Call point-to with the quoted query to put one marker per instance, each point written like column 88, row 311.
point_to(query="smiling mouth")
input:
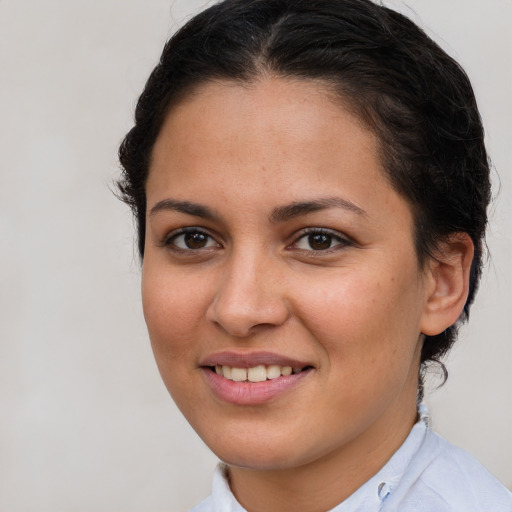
column 258, row 373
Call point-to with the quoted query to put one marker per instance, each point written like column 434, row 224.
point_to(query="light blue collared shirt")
column 426, row 474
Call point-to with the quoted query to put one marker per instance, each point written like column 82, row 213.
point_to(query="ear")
column 447, row 283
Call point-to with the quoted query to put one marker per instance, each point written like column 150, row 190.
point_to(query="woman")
column 311, row 184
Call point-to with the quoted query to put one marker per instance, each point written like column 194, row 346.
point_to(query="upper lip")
column 250, row 359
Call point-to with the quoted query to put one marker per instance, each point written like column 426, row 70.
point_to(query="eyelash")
column 331, row 237
column 170, row 240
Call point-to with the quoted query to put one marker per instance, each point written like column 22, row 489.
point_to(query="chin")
column 264, row 450
column 262, row 461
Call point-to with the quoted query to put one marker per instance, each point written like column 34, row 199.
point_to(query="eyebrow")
column 279, row 214
column 296, row 209
column 186, row 207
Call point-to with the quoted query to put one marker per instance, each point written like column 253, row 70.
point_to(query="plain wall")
column 85, row 423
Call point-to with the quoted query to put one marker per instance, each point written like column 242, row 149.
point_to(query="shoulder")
column 445, row 478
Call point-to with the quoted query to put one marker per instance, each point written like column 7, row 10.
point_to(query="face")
column 281, row 288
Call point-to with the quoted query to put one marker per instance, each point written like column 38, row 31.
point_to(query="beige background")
column 85, row 423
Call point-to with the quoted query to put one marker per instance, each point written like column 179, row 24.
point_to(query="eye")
column 319, row 240
column 192, row 239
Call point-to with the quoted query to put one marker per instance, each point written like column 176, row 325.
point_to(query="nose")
column 249, row 297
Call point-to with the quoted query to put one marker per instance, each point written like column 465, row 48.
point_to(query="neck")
column 324, row 483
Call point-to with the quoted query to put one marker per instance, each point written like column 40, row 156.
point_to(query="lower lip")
column 251, row 393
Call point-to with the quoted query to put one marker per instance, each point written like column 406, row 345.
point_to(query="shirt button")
column 384, row 491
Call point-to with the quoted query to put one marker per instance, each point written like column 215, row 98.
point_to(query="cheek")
column 174, row 310
column 367, row 319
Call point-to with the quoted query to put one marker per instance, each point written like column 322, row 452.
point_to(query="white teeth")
column 226, row 371
column 239, row 374
column 258, row 373
column 273, row 371
column 286, row 370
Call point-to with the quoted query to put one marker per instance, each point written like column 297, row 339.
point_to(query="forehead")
column 247, row 149
column 276, row 120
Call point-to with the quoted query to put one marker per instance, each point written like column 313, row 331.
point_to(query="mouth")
column 259, row 373
column 253, row 378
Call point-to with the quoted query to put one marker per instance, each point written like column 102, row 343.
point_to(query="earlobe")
column 448, row 283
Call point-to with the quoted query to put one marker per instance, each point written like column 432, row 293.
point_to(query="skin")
column 355, row 312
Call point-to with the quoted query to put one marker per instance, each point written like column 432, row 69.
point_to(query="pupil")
column 319, row 241
column 195, row 240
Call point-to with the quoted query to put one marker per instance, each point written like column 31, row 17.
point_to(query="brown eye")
column 319, row 241
column 193, row 240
